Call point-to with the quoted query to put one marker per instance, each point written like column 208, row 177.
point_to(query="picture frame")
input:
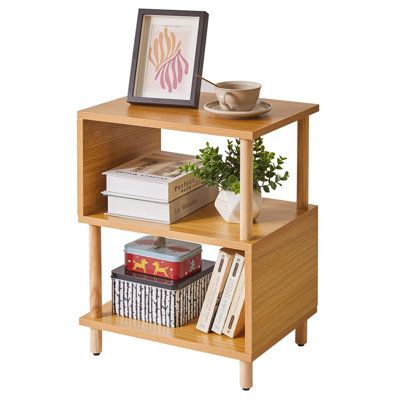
column 168, row 57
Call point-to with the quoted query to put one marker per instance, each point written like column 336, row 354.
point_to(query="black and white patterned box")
column 159, row 300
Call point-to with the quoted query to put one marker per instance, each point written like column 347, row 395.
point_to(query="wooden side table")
column 280, row 249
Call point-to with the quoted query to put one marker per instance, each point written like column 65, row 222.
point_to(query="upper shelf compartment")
column 197, row 120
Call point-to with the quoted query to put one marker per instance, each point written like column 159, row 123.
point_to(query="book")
column 234, row 323
column 215, row 289
column 127, row 206
column 227, row 295
column 154, row 176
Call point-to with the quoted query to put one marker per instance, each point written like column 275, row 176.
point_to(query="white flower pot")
column 228, row 205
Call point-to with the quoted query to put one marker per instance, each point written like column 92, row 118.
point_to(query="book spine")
column 214, row 291
column 227, row 296
column 161, row 212
column 182, row 185
column 148, row 189
column 235, row 319
column 191, row 202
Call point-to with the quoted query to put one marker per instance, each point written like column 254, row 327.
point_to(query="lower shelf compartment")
column 186, row 336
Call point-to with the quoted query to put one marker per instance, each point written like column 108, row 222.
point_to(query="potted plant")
column 215, row 169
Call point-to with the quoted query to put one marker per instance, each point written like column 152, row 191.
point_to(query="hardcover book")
column 126, row 206
column 227, row 296
column 215, row 289
column 154, row 176
column 234, row 323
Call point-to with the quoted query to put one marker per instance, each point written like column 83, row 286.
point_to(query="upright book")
column 215, row 289
column 234, row 322
column 154, row 177
column 229, row 291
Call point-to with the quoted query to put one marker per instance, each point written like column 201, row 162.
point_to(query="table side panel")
column 284, row 280
column 102, row 146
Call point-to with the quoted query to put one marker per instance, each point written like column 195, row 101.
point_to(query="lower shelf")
column 186, row 336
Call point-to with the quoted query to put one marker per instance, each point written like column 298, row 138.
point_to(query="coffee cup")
column 237, row 95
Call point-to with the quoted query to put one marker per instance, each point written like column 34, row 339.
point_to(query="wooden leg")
column 246, row 230
column 246, row 375
column 95, row 286
column 246, row 189
column 302, row 163
column 95, row 341
column 301, row 334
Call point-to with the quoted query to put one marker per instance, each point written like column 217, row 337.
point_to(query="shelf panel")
column 206, row 225
column 186, row 336
column 199, row 120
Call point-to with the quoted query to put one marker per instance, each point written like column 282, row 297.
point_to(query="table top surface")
column 199, row 120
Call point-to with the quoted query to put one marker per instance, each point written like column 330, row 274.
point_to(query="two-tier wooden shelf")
column 280, row 248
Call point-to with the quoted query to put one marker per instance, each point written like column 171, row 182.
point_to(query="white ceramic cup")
column 237, row 95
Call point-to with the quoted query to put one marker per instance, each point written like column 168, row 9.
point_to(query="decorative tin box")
column 159, row 300
column 167, row 258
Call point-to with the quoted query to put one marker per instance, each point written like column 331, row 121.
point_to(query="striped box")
column 159, row 300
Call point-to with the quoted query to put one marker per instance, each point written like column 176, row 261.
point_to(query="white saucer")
column 261, row 107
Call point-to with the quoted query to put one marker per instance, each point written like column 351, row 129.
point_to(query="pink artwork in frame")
column 168, row 57
column 169, row 63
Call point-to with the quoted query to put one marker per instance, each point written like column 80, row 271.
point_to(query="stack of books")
column 153, row 187
column 223, row 307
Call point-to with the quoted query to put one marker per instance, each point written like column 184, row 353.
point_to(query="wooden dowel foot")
column 246, row 375
column 301, row 334
column 95, row 341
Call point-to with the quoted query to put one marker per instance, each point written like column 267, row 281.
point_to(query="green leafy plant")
column 213, row 169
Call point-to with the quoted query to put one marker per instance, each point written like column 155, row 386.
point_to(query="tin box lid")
column 173, row 251
column 164, row 283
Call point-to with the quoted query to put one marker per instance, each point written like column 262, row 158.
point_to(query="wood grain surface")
column 207, row 226
column 185, row 336
column 102, row 146
column 199, row 120
column 284, row 281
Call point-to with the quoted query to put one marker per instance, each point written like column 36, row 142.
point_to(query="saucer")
column 261, row 107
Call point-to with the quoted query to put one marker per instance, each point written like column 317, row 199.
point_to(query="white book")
column 227, row 296
column 234, row 323
column 122, row 205
column 215, row 289
column 155, row 177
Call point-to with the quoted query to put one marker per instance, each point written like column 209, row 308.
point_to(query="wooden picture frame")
column 167, row 57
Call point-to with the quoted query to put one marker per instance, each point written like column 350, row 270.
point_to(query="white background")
column 58, row 57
